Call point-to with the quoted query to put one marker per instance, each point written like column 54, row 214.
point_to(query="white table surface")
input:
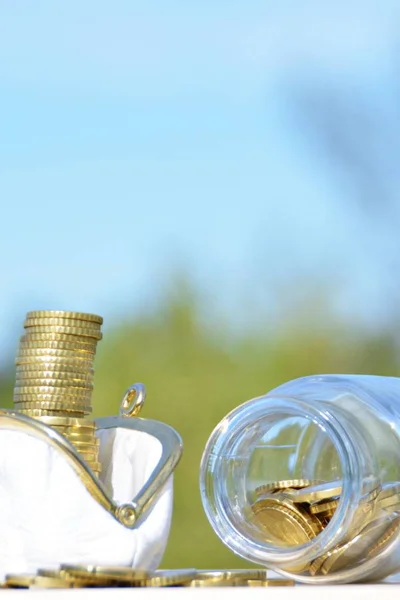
column 388, row 590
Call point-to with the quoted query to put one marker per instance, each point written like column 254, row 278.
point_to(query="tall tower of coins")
column 54, row 375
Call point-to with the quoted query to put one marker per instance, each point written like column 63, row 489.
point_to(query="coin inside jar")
column 283, row 522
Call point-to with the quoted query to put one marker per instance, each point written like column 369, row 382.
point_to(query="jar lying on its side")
column 306, row 479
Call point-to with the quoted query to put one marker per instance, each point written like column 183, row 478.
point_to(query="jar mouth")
column 223, row 468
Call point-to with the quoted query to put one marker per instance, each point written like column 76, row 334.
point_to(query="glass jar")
column 306, row 479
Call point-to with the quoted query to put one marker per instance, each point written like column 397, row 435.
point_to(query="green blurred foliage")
column 195, row 373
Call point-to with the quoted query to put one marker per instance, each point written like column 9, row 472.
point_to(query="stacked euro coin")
column 54, row 375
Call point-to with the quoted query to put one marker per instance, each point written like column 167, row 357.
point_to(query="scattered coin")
column 95, row 574
column 169, row 578
column 78, row 576
column 266, row 583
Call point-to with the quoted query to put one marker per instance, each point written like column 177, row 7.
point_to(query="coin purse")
column 54, row 510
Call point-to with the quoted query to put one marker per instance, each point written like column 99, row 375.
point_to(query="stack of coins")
column 78, row 576
column 293, row 512
column 54, row 375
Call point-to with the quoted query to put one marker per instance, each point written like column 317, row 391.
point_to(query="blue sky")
column 139, row 136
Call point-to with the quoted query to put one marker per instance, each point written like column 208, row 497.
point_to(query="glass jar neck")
column 224, row 468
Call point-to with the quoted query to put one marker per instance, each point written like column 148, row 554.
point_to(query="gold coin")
column 285, row 523
column 331, row 489
column 389, row 496
column 70, row 377
column 93, row 448
column 64, row 329
column 90, row 441
column 373, row 494
column 90, row 447
column 19, row 581
column 324, row 507
column 59, row 363
column 66, row 407
column 231, row 574
column 55, row 574
column 37, row 581
column 76, row 433
column 346, row 555
column 284, row 484
column 40, row 402
column 315, row 566
column 325, row 517
column 95, row 466
column 64, row 314
column 59, row 322
column 170, row 578
column 85, row 442
column 40, row 581
column 55, row 403
column 42, row 336
column 45, row 390
column 57, row 348
column 69, row 422
column 212, row 582
column 115, row 574
column 39, row 413
column 391, row 532
column 267, row 583
column 68, row 430
column 21, row 384
column 36, row 372
column 58, row 380
column 78, row 367
column 237, row 577
column 89, row 456
column 317, row 493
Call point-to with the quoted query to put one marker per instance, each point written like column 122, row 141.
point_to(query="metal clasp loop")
column 133, row 400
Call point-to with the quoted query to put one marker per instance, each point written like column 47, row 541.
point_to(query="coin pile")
column 54, row 376
column 293, row 512
column 77, row 576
